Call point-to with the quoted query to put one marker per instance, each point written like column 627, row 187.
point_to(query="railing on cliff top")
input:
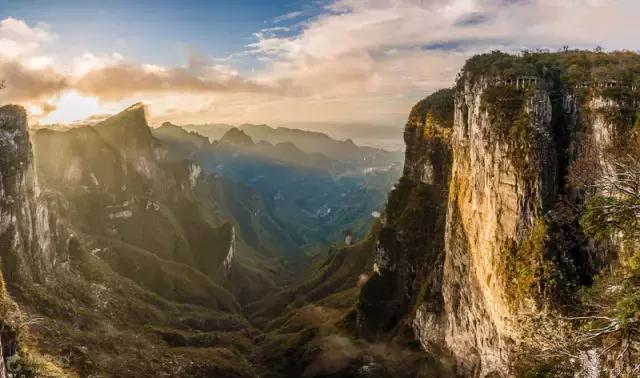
column 607, row 84
column 525, row 82
column 522, row 82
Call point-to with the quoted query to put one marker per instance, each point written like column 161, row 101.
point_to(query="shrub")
column 438, row 106
column 524, row 264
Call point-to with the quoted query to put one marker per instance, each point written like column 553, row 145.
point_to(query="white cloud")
column 287, row 16
column 357, row 61
column 382, row 48
column 19, row 30
column 18, row 39
column 30, row 78
column 88, row 62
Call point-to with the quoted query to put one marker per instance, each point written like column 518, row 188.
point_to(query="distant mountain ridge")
column 287, row 199
column 345, row 151
column 237, row 143
column 237, row 137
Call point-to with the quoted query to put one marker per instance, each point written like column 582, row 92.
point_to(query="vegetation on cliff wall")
column 551, row 264
column 524, row 265
column 511, row 124
column 572, row 75
column 621, row 111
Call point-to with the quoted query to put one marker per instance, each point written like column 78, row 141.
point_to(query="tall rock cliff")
column 29, row 237
column 17, row 211
column 25, row 234
column 481, row 246
column 496, row 196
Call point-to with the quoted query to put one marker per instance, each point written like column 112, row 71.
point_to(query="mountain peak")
column 138, row 106
column 171, row 126
column 134, row 115
column 172, row 133
column 127, row 127
column 237, row 137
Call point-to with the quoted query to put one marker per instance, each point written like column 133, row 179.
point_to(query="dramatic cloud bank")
column 127, row 79
column 355, row 61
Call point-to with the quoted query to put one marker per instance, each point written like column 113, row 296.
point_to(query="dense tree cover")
column 439, row 106
column 572, row 67
column 612, row 217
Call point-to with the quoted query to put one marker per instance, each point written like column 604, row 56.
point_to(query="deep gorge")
column 507, row 247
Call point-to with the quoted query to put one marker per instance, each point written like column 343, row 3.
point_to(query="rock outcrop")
column 494, row 201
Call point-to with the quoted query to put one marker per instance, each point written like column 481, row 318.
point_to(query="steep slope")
column 25, row 246
column 411, row 243
column 256, row 261
column 112, row 181
column 481, row 249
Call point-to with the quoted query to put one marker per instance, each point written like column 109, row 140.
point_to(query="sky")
column 350, row 63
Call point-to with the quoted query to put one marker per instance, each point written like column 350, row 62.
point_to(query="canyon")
column 507, row 247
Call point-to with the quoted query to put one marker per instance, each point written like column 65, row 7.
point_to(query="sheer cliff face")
column 17, row 209
column 410, row 247
column 493, row 202
column 466, row 254
column 25, row 233
column 28, row 237
column 474, row 203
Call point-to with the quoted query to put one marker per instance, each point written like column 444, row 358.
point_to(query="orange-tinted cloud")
column 25, row 84
column 127, row 79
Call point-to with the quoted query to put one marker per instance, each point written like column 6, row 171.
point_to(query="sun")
column 74, row 107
